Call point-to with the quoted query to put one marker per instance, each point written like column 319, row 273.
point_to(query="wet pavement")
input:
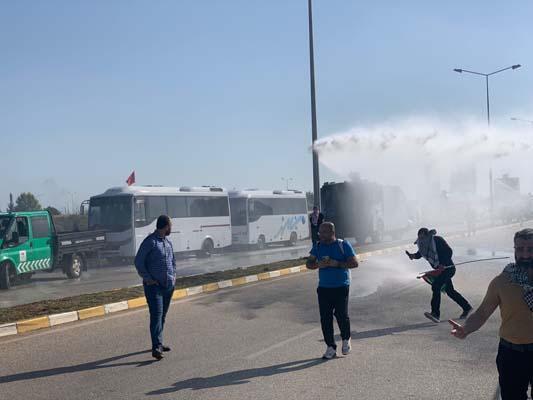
column 54, row 285
column 263, row 341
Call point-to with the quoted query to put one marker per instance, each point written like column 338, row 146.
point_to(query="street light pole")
column 316, row 174
column 488, row 103
column 460, row 70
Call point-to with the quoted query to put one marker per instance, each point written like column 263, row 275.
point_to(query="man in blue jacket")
column 333, row 258
column 156, row 264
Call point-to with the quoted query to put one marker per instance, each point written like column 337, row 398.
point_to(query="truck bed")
column 79, row 242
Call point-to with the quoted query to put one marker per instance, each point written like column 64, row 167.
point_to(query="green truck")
column 29, row 243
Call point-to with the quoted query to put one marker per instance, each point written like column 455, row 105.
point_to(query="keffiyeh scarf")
column 428, row 249
column 519, row 276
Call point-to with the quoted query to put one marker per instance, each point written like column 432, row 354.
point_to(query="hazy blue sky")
column 217, row 92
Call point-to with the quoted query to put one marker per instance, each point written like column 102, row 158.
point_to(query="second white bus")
column 260, row 217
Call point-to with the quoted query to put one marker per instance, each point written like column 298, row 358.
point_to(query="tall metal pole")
column 316, row 174
column 460, row 70
column 491, row 179
column 488, row 104
column 491, row 184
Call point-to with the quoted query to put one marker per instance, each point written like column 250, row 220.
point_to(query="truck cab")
column 30, row 243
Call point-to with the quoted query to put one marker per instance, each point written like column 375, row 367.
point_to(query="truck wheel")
column 293, row 239
column 74, row 267
column 261, row 242
column 207, row 249
column 5, row 279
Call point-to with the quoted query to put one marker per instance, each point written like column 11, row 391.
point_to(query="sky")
column 206, row 92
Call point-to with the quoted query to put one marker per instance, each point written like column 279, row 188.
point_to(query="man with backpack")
column 333, row 258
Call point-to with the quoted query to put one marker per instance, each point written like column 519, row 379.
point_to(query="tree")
column 27, row 202
column 52, row 210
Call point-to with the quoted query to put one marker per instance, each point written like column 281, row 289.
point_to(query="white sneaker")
column 330, row 353
column 346, row 347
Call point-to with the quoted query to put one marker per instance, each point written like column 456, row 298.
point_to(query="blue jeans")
column 158, row 299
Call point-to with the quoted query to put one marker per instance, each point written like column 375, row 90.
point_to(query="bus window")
column 155, row 206
column 203, row 206
column 259, row 208
column 113, row 213
column 177, row 206
column 140, row 213
column 218, row 206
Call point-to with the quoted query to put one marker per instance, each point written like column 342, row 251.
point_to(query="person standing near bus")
column 156, row 264
column 315, row 220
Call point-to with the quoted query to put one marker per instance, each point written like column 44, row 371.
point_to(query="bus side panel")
column 278, row 228
column 189, row 234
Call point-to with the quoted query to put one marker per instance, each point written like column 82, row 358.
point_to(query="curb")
column 44, row 322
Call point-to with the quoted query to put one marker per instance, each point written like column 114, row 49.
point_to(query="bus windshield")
column 111, row 213
column 238, row 211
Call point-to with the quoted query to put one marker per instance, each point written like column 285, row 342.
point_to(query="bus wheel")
column 5, row 272
column 293, row 239
column 207, row 248
column 74, row 267
column 261, row 242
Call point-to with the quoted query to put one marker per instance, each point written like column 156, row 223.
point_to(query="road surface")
column 54, row 285
column 263, row 341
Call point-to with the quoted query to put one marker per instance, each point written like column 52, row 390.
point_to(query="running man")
column 438, row 253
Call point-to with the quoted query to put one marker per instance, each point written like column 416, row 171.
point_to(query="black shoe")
column 432, row 317
column 465, row 313
column 157, row 354
column 165, row 348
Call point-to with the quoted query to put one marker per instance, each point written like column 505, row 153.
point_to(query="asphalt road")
column 263, row 341
column 54, row 285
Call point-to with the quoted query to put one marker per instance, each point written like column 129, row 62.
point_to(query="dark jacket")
column 320, row 220
column 444, row 251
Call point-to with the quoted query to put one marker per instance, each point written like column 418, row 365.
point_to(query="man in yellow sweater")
column 512, row 291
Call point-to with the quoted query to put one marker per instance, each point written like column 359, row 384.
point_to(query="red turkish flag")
column 131, row 179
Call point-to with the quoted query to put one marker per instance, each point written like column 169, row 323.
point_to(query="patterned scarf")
column 519, row 276
column 428, row 249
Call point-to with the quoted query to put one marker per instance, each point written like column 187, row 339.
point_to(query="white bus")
column 259, row 217
column 200, row 218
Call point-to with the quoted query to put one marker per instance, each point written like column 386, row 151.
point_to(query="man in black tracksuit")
column 439, row 255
